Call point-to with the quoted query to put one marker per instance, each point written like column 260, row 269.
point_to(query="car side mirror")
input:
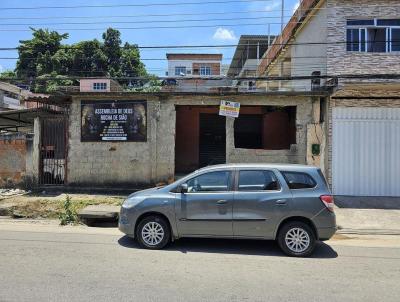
column 184, row 188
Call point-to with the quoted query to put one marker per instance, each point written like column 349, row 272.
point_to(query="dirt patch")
column 341, row 237
column 44, row 206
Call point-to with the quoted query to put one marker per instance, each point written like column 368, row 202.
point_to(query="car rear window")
column 258, row 180
column 299, row 180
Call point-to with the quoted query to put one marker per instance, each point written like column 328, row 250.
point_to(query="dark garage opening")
column 200, row 138
column 266, row 127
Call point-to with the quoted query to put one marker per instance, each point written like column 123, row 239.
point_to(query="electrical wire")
column 132, row 5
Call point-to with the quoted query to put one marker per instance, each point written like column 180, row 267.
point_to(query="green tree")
column 89, row 59
column 63, row 61
column 131, row 66
column 45, row 62
column 35, row 54
column 8, row 74
column 112, row 50
column 52, row 82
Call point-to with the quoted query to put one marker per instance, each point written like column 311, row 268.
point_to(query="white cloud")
column 1, row 68
column 224, row 34
column 296, row 6
column 275, row 4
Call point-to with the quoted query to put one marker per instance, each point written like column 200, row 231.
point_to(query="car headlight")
column 131, row 202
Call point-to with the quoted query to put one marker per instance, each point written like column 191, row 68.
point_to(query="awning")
column 21, row 120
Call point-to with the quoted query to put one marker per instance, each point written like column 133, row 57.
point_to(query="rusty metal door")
column 53, row 151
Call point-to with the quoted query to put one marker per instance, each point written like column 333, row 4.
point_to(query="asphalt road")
column 50, row 263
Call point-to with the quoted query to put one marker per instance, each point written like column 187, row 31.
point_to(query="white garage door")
column 366, row 151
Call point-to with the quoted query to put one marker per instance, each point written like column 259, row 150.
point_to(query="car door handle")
column 281, row 202
column 222, row 201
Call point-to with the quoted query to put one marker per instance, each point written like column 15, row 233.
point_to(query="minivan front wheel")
column 296, row 239
column 153, row 232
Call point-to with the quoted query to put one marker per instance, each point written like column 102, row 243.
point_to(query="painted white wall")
column 309, row 58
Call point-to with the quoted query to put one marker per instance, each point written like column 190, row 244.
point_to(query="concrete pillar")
column 32, row 168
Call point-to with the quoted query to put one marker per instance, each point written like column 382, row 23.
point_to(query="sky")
column 240, row 17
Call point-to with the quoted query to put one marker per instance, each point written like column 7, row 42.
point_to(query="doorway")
column 200, row 138
column 212, row 138
column 53, row 151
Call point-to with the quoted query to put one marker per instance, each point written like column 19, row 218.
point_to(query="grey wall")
column 123, row 163
column 131, row 164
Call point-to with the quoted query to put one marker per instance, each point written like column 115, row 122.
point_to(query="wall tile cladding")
column 340, row 61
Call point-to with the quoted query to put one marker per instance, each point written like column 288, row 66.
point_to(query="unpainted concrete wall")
column 296, row 154
column 123, row 163
column 131, row 164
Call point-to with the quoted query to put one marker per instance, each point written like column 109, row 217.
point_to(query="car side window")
column 299, row 180
column 217, row 181
column 258, row 180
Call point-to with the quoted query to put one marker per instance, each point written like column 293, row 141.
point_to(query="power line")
column 142, row 15
column 165, row 59
column 131, row 5
column 206, row 46
column 264, row 78
column 135, row 22
column 141, row 28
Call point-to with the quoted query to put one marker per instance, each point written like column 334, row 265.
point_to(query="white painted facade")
column 309, row 53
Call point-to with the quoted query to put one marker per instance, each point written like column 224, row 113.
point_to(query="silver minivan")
column 291, row 204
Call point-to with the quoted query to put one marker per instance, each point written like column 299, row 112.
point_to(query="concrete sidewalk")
column 368, row 221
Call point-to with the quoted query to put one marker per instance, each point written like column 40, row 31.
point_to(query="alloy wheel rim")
column 152, row 233
column 297, row 240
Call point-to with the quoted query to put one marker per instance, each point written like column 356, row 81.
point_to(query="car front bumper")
column 124, row 224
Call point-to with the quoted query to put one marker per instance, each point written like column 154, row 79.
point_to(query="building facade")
column 136, row 140
column 353, row 45
column 194, row 65
column 11, row 96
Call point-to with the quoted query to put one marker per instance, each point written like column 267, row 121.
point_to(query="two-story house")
column 199, row 72
column 354, row 45
column 246, row 59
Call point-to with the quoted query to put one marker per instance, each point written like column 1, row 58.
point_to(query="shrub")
column 68, row 216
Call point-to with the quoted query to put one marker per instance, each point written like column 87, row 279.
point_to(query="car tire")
column 296, row 239
column 153, row 232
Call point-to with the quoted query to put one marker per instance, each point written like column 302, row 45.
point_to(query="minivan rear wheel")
column 153, row 232
column 296, row 239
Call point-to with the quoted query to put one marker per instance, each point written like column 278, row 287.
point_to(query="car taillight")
column 328, row 202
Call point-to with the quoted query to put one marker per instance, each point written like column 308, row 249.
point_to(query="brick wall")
column 12, row 159
column 188, row 56
column 215, row 68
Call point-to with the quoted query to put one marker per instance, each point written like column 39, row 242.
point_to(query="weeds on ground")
column 68, row 216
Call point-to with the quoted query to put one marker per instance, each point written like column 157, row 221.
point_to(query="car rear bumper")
column 326, row 233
